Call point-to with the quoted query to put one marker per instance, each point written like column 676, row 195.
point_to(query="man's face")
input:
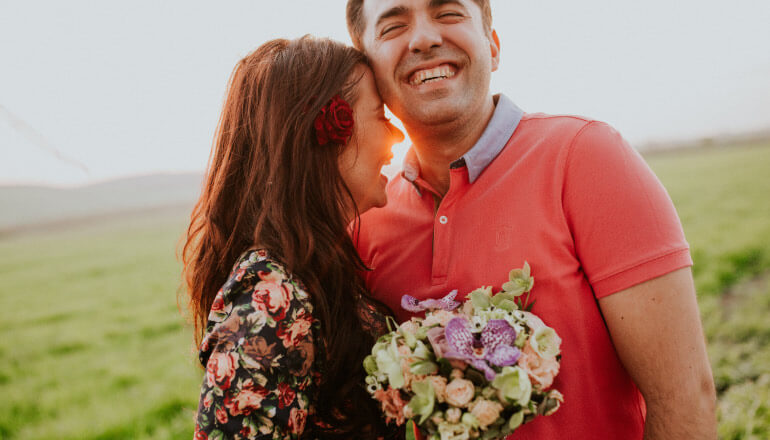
column 432, row 59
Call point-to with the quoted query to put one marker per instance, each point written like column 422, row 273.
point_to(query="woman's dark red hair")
column 269, row 184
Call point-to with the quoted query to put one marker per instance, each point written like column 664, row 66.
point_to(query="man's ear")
column 494, row 47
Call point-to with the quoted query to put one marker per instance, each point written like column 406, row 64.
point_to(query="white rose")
column 546, row 342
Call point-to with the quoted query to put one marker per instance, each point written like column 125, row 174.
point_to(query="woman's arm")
column 259, row 365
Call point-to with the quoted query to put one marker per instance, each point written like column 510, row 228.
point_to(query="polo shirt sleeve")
column 624, row 225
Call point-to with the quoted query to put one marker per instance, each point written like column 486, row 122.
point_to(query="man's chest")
column 470, row 241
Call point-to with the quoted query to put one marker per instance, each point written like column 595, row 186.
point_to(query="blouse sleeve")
column 258, row 353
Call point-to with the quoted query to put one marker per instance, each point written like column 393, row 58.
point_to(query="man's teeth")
column 429, row 75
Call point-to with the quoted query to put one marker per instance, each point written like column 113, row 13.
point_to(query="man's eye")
column 390, row 28
column 449, row 14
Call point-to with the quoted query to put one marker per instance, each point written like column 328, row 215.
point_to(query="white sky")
column 136, row 87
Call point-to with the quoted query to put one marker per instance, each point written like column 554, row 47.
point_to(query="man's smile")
column 428, row 75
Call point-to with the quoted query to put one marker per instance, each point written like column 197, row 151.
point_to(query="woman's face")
column 368, row 151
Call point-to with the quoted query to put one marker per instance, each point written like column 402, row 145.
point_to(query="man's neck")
column 437, row 147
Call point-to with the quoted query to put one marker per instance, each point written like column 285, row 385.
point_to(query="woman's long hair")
column 269, row 183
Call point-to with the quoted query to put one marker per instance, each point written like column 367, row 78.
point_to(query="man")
column 489, row 187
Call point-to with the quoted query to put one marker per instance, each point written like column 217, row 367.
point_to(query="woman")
column 282, row 317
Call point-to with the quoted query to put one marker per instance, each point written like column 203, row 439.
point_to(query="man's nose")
column 425, row 36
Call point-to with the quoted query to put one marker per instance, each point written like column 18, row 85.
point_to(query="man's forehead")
column 373, row 10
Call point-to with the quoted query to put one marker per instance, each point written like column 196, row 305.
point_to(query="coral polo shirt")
column 569, row 196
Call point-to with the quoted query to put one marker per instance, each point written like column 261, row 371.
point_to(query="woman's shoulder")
column 259, row 298
column 259, row 282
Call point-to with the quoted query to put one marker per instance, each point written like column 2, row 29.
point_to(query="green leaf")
column 410, row 430
column 421, row 351
column 424, row 399
column 502, row 297
column 513, row 287
column 508, row 305
column 423, row 367
column 216, row 435
column 475, row 376
column 516, row 420
column 409, row 338
column 490, row 434
column 445, row 367
column 370, row 365
column 392, row 324
column 480, row 299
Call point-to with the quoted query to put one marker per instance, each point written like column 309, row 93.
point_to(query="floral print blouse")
column 259, row 348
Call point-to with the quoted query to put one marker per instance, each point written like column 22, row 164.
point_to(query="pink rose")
column 246, row 432
column 274, row 295
column 221, row 415
column 438, row 342
column 486, row 412
column 453, row 415
column 297, row 418
column 439, row 387
column 286, row 395
column 247, row 400
column 297, row 331
column 392, row 404
column 208, row 400
column 218, row 305
column 459, row 392
column 541, row 371
column 200, row 435
column 220, row 369
column 240, row 273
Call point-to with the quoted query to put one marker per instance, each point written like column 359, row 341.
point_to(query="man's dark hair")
column 356, row 24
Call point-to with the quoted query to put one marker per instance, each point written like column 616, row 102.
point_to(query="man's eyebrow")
column 395, row 11
column 438, row 3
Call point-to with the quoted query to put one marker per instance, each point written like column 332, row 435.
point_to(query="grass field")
column 93, row 345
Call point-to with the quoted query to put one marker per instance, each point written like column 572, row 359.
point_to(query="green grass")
column 722, row 196
column 94, row 347
column 93, row 344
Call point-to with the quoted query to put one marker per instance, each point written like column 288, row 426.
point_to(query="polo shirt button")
column 443, row 220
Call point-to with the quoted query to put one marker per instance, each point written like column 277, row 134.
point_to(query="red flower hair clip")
column 334, row 122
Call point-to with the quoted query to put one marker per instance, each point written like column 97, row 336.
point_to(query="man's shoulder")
column 556, row 124
column 559, row 133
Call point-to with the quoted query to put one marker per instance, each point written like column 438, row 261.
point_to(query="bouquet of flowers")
column 467, row 371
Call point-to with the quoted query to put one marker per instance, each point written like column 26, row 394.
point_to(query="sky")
column 94, row 90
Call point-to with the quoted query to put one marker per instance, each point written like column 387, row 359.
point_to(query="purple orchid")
column 494, row 345
column 448, row 303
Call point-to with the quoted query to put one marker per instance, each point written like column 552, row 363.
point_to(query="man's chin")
column 434, row 115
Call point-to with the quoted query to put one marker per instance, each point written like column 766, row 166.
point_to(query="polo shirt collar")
column 500, row 128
